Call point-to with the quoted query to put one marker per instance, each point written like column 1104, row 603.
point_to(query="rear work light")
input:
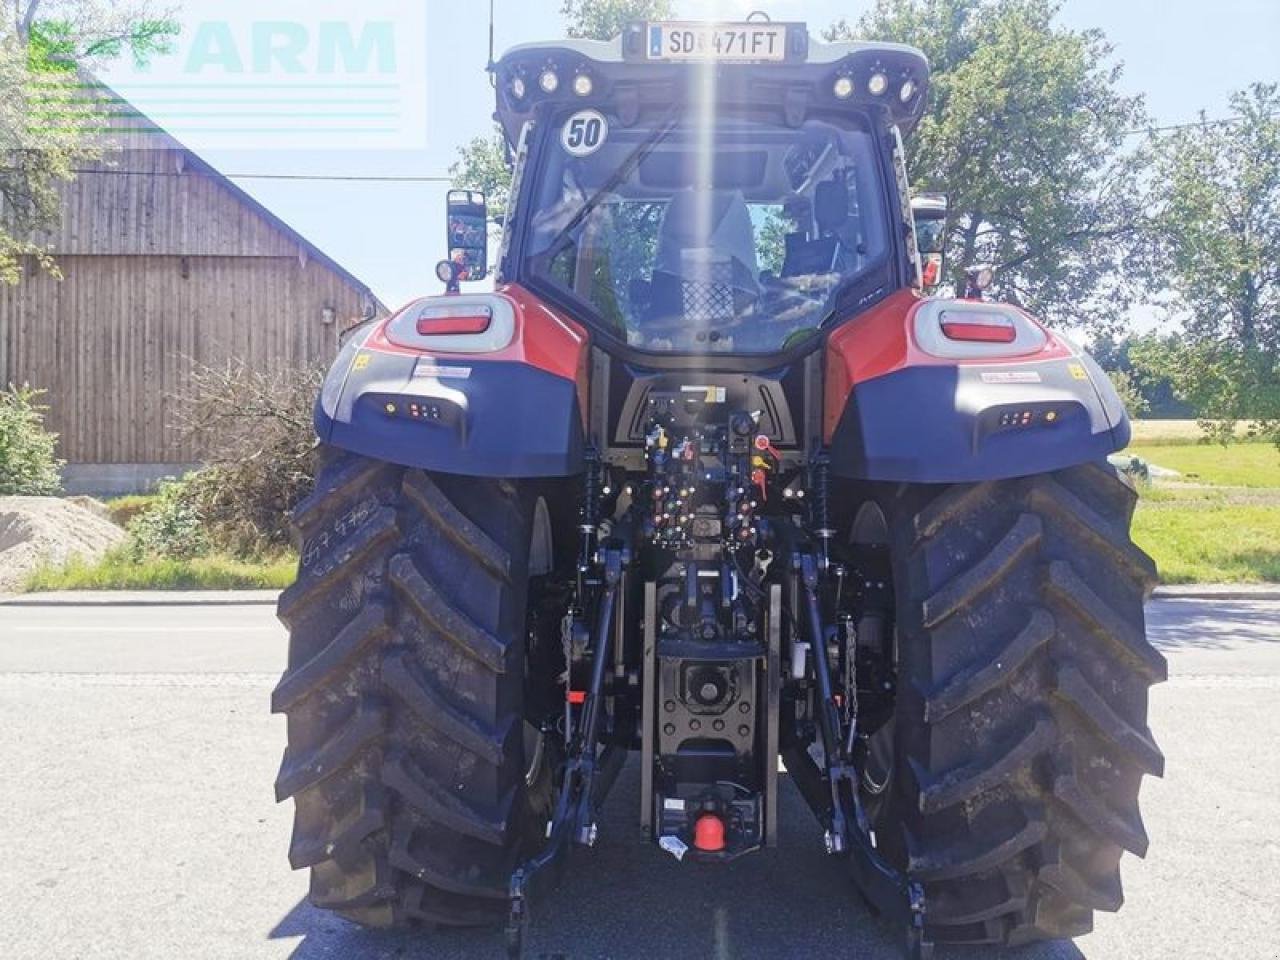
column 452, row 320
column 457, row 323
column 971, row 330
column 978, row 327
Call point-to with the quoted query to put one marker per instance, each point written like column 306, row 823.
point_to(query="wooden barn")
column 166, row 265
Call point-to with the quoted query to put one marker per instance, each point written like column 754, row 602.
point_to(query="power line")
column 436, row 178
column 1186, row 125
column 336, row 177
column 324, row 177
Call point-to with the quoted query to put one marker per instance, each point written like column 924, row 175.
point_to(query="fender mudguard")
column 512, row 412
column 895, row 412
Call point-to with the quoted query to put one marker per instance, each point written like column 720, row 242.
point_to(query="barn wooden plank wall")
column 115, row 341
column 162, row 272
column 152, row 202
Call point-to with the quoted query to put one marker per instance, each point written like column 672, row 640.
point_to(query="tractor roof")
column 888, row 79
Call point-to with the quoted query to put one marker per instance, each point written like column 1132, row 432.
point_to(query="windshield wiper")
column 625, row 169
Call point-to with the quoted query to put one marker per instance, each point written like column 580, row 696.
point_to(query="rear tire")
column 404, row 694
column 1020, row 733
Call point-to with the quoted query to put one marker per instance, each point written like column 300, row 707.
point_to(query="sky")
column 1183, row 55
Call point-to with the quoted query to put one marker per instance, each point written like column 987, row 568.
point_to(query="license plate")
column 718, row 41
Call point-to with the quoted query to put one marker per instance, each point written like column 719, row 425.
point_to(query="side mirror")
column 929, row 213
column 467, row 239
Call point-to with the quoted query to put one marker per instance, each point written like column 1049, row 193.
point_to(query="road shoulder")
column 144, row 598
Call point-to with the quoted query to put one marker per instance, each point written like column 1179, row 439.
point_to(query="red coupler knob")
column 708, row 833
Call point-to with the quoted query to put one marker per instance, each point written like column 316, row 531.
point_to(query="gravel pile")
column 38, row 530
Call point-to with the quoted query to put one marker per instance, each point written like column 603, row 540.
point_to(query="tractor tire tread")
column 405, row 753
column 1022, row 734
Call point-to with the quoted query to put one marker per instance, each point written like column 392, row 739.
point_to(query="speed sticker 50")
column 584, row 133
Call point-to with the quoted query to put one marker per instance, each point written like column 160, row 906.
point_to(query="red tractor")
column 708, row 479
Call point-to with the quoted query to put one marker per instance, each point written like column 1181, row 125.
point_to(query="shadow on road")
column 1226, row 624
column 625, row 899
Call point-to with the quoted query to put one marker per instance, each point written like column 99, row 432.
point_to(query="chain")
column 851, row 683
column 566, row 641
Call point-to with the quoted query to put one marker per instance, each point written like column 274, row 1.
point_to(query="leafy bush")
column 171, row 526
column 256, row 431
column 28, row 464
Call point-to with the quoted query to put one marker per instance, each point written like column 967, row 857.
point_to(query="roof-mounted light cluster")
column 548, row 80
column 644, row 75
column 879, row 83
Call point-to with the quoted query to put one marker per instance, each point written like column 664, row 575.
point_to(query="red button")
column 708, row 833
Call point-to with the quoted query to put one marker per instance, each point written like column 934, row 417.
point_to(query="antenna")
column 493, row 79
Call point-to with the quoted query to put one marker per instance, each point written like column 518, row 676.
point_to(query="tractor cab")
column 696, row 188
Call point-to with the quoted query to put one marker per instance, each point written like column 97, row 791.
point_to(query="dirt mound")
column 37, row 530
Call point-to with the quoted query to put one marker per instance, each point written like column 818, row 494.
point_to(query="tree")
column 1129, row 392
column 605, row 19
column 1219, row 221
column 1025, row 133
column 85, row 33
column 1157, row 395
column 482, row 163
column 1221, row 382
column 45, row 121
column 1218, row 238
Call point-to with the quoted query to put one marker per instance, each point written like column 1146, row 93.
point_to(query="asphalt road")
column 137, row 756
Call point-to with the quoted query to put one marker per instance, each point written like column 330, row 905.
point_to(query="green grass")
column 1239, row 465
column 1199, row 541
column 119, row 570
column 1217, row 523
